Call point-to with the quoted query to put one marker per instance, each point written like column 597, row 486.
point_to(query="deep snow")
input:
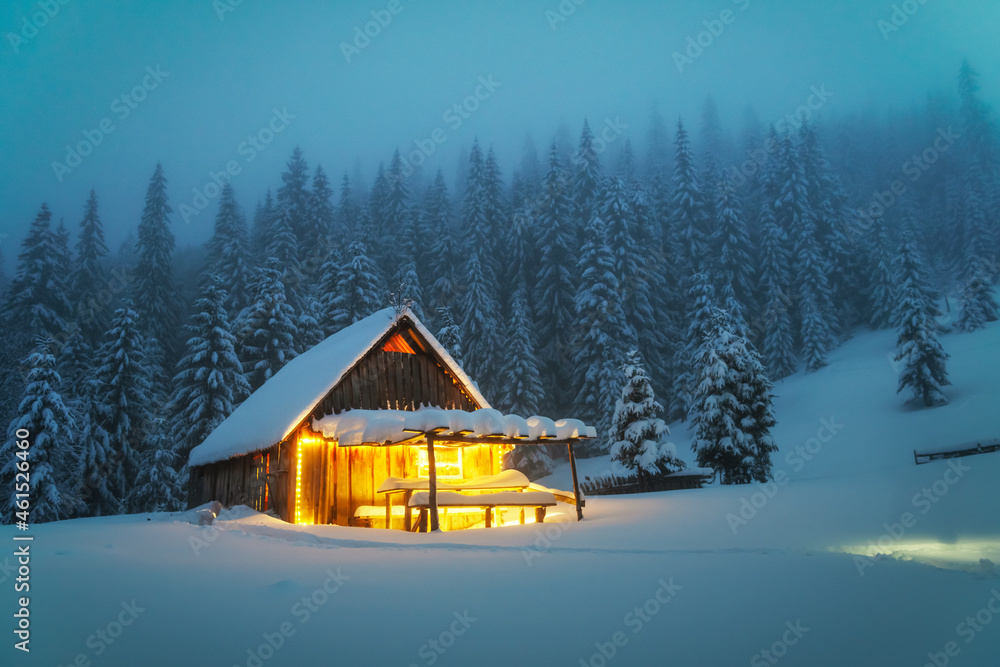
column 702, row 577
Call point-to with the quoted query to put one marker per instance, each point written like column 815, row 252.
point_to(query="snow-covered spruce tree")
column 37, row 298
column 125, row 389
column 638, row 435
column 732, row 411
column 263, row 225
column 733, row 266
column 309, row 323
column 99, row 462
column 316, row 244
column 158, row 487
column 284, row 250
column 918, row 352
column 358, row 288
column 687, row 207
column 209, row 383
column 480, row 323
column 881, row 278
column 50, row 428
column 555, row 287
column 268, row 334
column 154, row 291
column 75, row 365
column 327, row 292
column 442, row 279
column 701, row 296
column 494, row 216
column 346, row 215
column 910, row 274
column 449, row 335
column 522, row 385
column 410, row 290
column 817, row 317
column 629, row 263
column 979, row 304
column 395, row 216
column 228, row 255
column 87, row 278
column 292, row 205
column 600, row 329
column 586, row 181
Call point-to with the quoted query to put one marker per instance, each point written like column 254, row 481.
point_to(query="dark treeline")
column 704, row 269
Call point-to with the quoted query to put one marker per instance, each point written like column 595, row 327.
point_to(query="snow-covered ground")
column 714, row 576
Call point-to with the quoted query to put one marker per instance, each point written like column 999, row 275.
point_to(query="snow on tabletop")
column 501, row 498
column 505, row 480
column 273, row 411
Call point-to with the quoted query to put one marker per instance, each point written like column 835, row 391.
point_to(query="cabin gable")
column 402, row 371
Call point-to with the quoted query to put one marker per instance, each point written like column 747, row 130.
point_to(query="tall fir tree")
column 45, row 422
column 228, row 256
column 601, row 335
column 979, row 304
column 292, row 205
column 919, row 355
column 732, row 411
column 881, row 278
column 209, row 383
column 616, row 210
column 126, row 388
column 522, row 385
column 37, row 297
column 358, row 288
column 154, row 289
column 443, row 280
column 555, row 288
column 318, row 229
column 99, row 471
column 911, row 274
column 268, row 331
column 688, row 207
column 638, row 435
column 88, row 277
column 734, row 266
column 395, row 215
column 157, row 486
column 586, row 182
column 701, row 297
column 480, row 318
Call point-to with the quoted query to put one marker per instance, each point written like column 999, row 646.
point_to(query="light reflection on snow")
column 977, row 557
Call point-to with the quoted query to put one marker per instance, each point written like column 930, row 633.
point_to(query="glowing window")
column 448, row 461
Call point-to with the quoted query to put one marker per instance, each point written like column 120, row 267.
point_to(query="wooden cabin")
column 380, row 402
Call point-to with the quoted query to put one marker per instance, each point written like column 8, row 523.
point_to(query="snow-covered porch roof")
column 389, row 427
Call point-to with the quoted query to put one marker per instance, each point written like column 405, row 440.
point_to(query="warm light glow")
column 447, row 461
column 968, row 556
column 298, row 474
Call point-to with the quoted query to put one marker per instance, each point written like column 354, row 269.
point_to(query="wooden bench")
column 488, row 502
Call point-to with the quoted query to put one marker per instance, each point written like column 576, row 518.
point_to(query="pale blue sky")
column 607, row 59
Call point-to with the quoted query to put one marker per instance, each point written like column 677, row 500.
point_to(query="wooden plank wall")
column 395, row 381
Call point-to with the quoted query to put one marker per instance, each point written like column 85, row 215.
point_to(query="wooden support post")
column 576, row 485
column 540, row 515
column 432, row 496
column 489, row 517
column 407, row 512
column 388, row 511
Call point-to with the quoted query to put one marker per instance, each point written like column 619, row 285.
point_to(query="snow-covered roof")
column 272, row 412
column 378, row 427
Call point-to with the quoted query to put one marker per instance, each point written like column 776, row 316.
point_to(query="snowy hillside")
column 665, row 578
